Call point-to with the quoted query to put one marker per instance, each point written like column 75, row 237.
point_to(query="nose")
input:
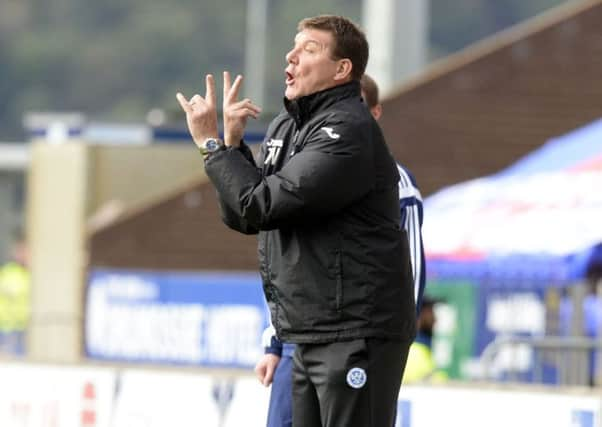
column 291, row 56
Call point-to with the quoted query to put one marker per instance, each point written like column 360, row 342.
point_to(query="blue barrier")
column 176, row 135
column 208, row 319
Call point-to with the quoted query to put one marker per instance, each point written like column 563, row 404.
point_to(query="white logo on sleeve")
column 331, row 133
column 356, row 377
column 274, row 147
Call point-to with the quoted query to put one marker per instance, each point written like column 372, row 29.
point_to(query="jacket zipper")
column 339, row 281
column 295, row 149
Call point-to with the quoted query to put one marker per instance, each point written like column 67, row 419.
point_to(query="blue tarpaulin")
column 537, row 222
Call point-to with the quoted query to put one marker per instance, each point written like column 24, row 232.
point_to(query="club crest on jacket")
column 274, row 146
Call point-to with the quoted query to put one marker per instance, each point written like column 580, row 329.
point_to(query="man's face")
column 310, row 66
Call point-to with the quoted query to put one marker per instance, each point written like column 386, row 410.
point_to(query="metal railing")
column 572, row 358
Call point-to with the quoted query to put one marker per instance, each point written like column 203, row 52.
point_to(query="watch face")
column 211, row 145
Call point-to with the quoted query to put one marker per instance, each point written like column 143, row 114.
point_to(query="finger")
column 210, row 89
column 260, row 374
column 233, row 93
column 267, row 379
column 253, row 107
column 251, row 113
column 246, row 103
column 196, row 99
column 245, row 112
column 227, row 85
column 183, row 103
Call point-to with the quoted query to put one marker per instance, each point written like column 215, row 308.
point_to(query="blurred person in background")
column 276, row 366
column 14, row 299
column 591, row 314
column 421, row 366
column 334, row 261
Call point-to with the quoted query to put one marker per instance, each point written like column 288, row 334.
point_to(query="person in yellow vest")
column 421, row 366
column 14, row 300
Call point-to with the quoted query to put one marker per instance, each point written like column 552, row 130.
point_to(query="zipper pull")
column 295, row 146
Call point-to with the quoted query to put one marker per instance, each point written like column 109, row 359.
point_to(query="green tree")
column 117, row 59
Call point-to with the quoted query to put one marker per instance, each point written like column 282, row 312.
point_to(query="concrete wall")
column 67, row 184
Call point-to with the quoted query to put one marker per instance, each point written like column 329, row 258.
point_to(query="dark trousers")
column 347, row 383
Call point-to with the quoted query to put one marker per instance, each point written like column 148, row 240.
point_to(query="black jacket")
column 324, row 200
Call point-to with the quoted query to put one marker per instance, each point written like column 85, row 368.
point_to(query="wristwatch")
column 211, row 145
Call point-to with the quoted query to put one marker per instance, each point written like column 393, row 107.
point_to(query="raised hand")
column 236, row 112
column 201, row 114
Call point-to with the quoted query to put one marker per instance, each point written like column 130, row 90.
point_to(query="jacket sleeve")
column 229, row 215
column 334, row 169
column 271, row 343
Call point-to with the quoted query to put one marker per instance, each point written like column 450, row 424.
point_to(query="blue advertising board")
column 186, row 318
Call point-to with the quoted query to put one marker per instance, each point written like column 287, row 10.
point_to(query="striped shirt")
column 410, row 205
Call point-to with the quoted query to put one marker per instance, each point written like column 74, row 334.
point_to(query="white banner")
column 47, row 396
column 154, row 399
column 477, row 407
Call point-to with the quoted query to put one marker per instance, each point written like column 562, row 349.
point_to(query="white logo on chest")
column 274, row 147
column 331, row 133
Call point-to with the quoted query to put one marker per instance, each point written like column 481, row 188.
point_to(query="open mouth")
column 289, row 78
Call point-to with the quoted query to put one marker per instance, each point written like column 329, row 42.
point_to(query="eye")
column 311, row 47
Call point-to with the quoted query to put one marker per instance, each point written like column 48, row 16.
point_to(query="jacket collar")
column 302, row 109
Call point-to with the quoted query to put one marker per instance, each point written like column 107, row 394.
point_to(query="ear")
column 344, row 67
column 376, row 111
